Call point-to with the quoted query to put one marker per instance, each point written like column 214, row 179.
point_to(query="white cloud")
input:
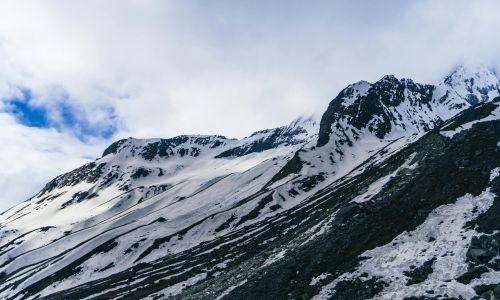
column 29, row 157
column 225, row 67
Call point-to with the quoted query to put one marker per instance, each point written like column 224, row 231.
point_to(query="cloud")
column 162, row 68
column 30, row 156
column 180, row 67
column 59, row 113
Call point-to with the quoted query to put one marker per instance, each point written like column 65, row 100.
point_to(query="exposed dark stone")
column 226, row 224
column 109, row 266
column 140, row 172
column 218, row 144
column 46, row 228
column 165, row 148
column 113, row 148
column 481, row 289
column 473, row 273
column 90, row 173
column 421, row 273
column 134, row 246
column 462, row 163
column 308, row 183
column 256, row 211
column 293, row 166
column 162, row 148
column 496, row 291
column 427, row 298
column 274, row 207
column 357, row 289
column 77, row 198
column 484, row 248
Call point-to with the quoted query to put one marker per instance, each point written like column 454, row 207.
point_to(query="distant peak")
column 113, row 148
column 472, row 83
column 466, row 71
column 361, row 82
column 393, row 80
column 302, row 120
column 389, row 77
column 475, row 71
column 309, row 124
column 360, row 85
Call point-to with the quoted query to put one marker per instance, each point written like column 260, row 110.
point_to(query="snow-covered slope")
column 137, row 188
column 156, row 216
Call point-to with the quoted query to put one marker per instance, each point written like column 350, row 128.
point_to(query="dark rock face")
column 358, row 289
column 419, row 274
column 183, row 145
column 293, row 166
column 162, row 148
column 484, row 251
column 113, row 148
column 141, row 172
column 306, row 184
column 369, row 109
column 471, row 274
column 79, row 197
column 90, row 173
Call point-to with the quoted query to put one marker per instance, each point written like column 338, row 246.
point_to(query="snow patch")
column 230, row 289
column 274, row 258
column 179, row 287
column 318, row 279
column 376, row 187
column 495, row 115
column 494, row 173
column 441, row 237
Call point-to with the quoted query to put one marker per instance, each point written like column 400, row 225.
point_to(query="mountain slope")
column 136, row 187
column 202, row 216
column 398, row 210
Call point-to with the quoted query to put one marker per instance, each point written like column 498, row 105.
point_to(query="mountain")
column 467, row 86
column 357, row 206
column 391, row 108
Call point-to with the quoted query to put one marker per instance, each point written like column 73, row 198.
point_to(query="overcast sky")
column 76, row 75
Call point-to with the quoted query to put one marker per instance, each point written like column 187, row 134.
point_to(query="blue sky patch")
column 25, row 113
column 61, row 116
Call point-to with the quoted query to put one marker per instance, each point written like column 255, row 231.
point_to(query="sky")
column 77, row 75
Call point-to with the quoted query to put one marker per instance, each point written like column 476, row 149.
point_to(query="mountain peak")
column 308, row 123
column 469, row 83
column 465, row 72
column 389, row 78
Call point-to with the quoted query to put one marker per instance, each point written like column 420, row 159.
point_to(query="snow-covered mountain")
column 467, row 86
column 391, row 108
column 359, row 205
